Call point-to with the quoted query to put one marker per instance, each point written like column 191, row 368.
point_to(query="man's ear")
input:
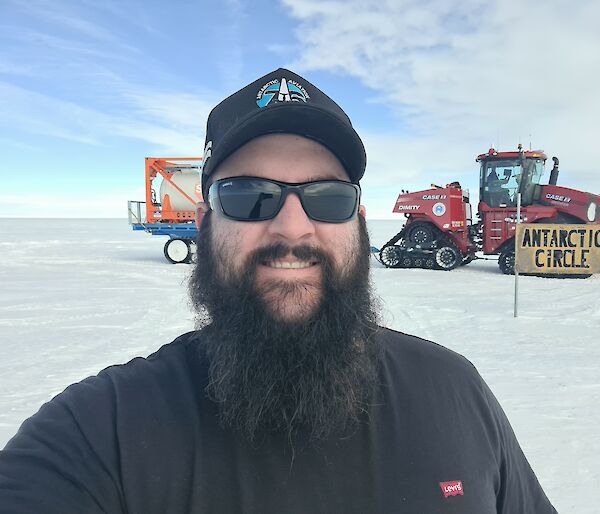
column 201, row 209
column 362, row 211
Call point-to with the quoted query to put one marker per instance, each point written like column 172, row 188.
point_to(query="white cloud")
column 464, row 74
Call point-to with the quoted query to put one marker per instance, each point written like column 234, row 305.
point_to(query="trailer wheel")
column 447, row 257
column 178, row 251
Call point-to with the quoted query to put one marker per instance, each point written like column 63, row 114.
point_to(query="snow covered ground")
column 79, row 295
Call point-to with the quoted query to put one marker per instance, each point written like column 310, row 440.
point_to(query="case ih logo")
column 558, row 198
column 434, row 197
column 451, row 488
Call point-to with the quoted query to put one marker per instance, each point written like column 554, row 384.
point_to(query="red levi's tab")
column 451, row 488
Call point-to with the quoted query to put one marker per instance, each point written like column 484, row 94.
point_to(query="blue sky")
column 88, row 88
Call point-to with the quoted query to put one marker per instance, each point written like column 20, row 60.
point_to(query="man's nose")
column 291, row 222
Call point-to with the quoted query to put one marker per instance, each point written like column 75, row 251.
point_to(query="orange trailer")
column 171, row 212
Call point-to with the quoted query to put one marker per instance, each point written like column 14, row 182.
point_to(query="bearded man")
column 289, row 398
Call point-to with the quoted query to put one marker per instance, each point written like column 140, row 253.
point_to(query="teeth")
column 289, row 265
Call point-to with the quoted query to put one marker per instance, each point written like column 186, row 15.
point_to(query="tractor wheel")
column 407, row 262
column 506, row 261
column 420, row 234
column 418, row 262
column 391, row 256
column 447, row 257
column 178, row 251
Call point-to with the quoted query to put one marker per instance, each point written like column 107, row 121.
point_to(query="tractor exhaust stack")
column 554, row 172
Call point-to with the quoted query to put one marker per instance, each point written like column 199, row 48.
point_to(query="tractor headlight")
column 591, row 213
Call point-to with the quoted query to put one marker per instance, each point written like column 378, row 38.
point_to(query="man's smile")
column 288, row 264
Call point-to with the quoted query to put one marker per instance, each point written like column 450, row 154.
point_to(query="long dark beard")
column 316, row 375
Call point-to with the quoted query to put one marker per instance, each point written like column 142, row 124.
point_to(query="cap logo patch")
column 281, row 91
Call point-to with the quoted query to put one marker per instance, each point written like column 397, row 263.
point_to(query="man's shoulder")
column 424, row 356
column 169, row 354
column 167, row 365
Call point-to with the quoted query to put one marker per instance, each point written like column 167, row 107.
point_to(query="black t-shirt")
column 142, row 438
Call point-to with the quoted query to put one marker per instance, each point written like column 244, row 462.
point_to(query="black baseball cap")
column 281, row 102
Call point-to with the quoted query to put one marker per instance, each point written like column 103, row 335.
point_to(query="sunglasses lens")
column 249, row 199
column 330, row 201
column 256, row 199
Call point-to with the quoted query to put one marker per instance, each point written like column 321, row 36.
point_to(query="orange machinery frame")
column 163, row 166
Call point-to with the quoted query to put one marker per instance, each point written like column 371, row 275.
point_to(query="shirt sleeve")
column 64, row 459
column 519, row 490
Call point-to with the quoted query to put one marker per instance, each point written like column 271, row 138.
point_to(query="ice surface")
column 79, row 295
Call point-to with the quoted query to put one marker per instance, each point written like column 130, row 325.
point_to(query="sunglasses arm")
column 201, row 209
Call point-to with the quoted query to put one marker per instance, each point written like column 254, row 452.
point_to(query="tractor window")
column 500, row 182
column 532, row 174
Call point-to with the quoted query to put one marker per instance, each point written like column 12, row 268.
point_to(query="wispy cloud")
column 10, row 66
column 230, row 38
column 173, row 122
column 70, row 46
column 91, row 84
column 36, row 113
column 463, row 74
column 183, row 110
column 69, row 18
column 132, row 12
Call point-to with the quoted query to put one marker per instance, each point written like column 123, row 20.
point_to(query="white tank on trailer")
column 188, row 180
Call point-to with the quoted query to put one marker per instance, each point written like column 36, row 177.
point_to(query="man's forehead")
column 284, row 157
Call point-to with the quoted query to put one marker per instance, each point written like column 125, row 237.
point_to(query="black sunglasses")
column 258, row 199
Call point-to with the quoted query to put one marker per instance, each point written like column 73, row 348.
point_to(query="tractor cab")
column 504, row 174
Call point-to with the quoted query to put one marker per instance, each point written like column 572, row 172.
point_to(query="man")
column 495, row 194
column 289, row 398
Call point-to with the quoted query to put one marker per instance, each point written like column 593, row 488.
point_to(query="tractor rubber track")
column 394, row 255
column 396, row 238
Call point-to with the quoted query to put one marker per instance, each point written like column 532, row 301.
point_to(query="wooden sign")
column 546, row 248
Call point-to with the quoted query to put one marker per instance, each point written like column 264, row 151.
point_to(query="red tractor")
column 440, row 234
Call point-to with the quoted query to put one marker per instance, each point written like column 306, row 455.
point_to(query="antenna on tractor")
column 530, row 142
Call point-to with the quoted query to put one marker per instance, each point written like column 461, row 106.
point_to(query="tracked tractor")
column 440, row 232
